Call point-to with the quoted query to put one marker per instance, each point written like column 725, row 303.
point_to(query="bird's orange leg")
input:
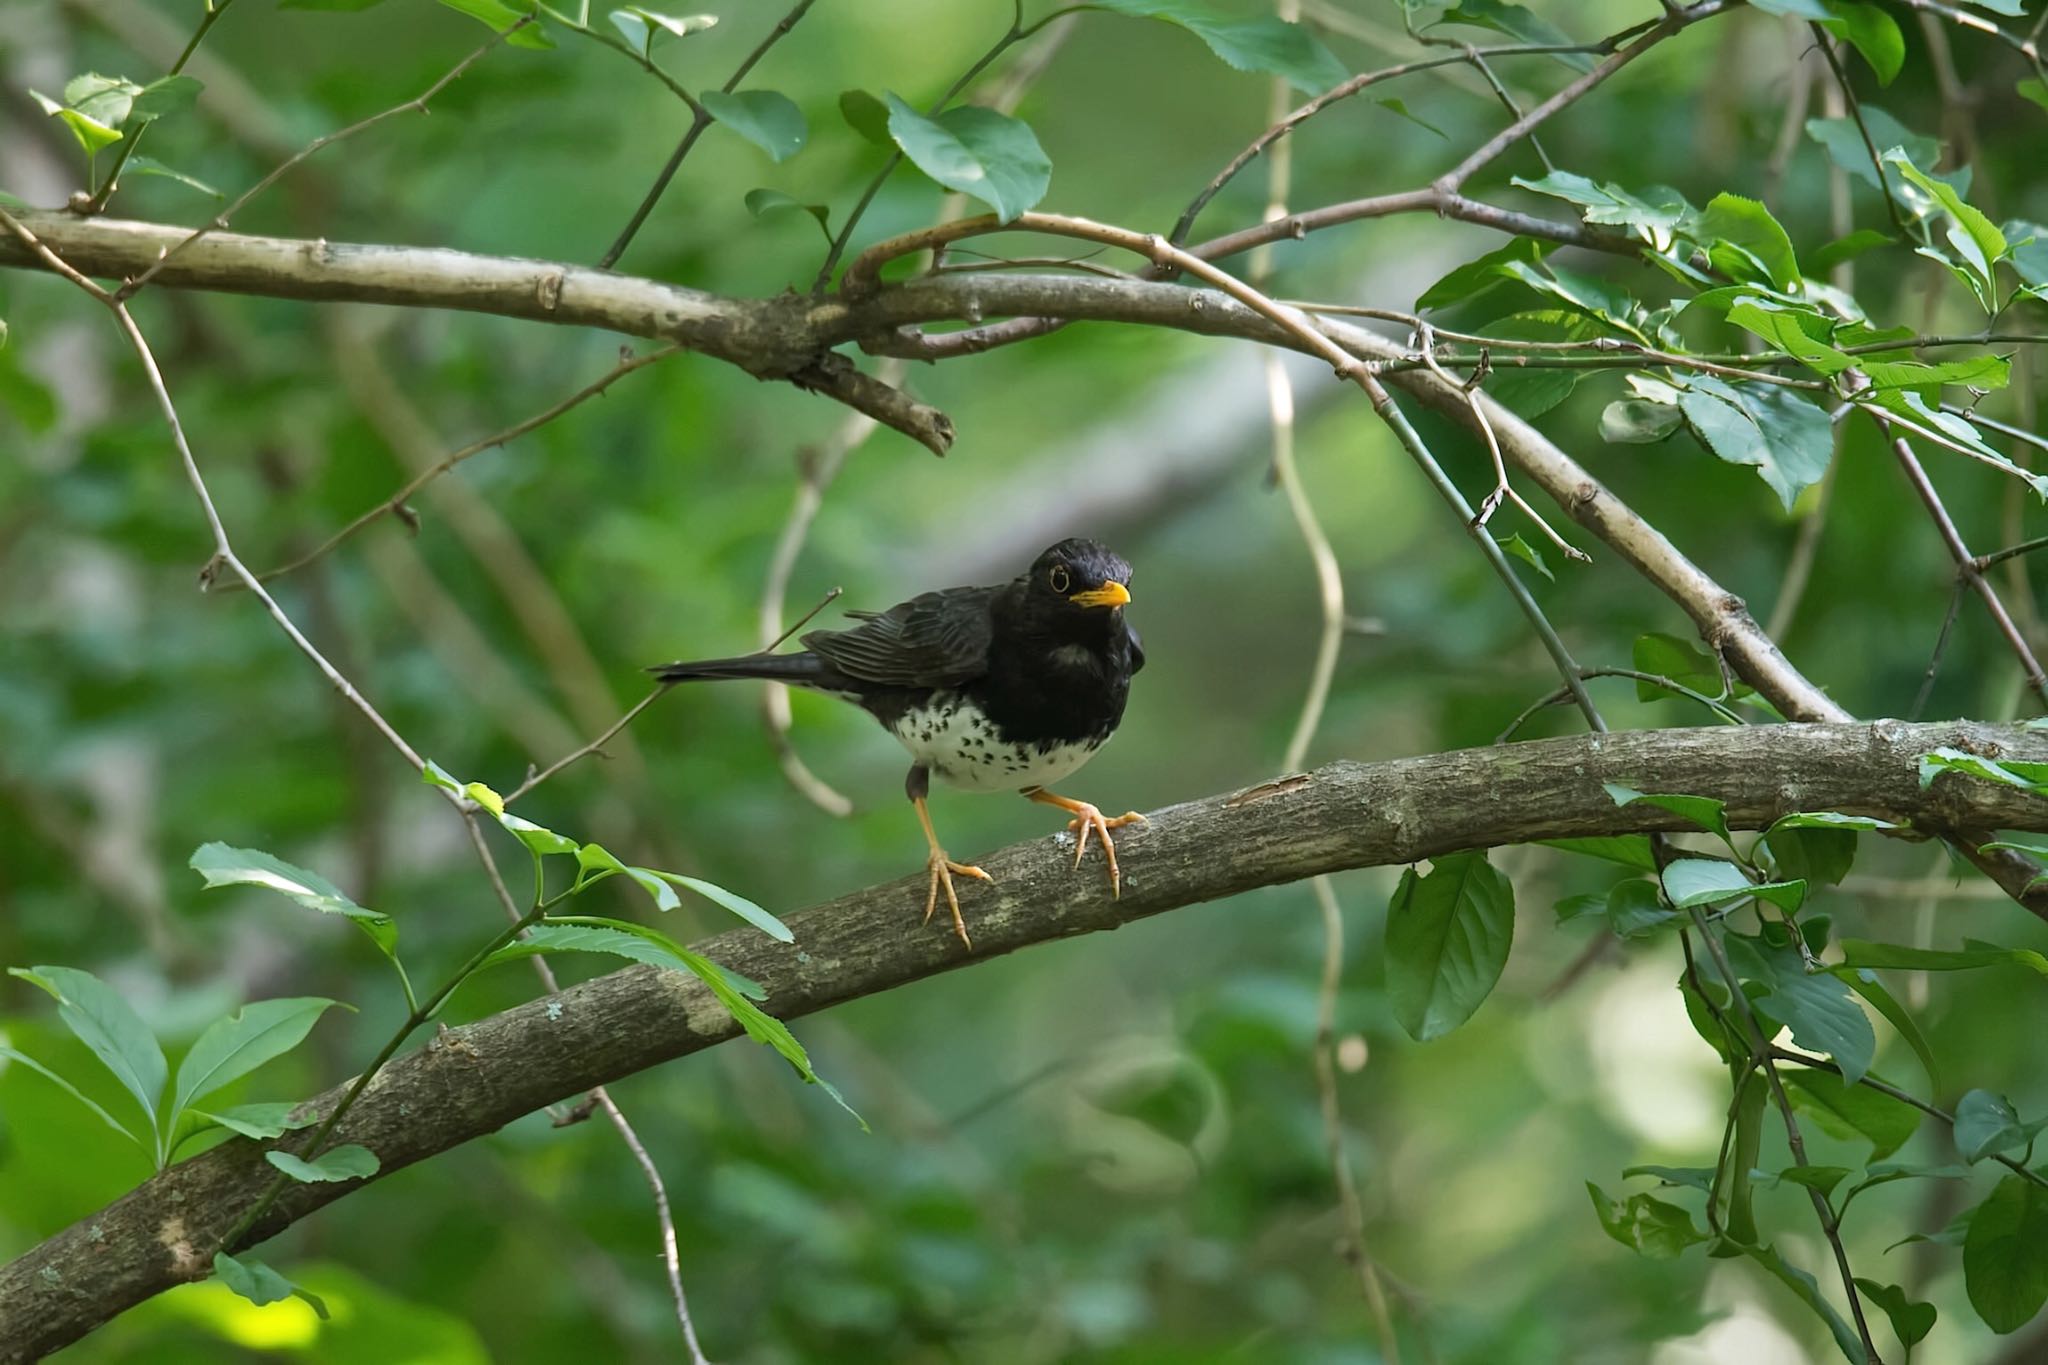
column 1087, row 818
column 943, row 870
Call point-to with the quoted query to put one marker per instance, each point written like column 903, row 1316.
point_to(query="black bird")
column 1013, row 686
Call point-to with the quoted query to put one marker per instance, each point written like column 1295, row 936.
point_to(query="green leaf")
column 1846, row 249
column 1628, row 850
column 1635, row 911
column 1871, row 32
column 1859, row 953
column 1703, row 881
column 338, row 6
column 90, row 132
column 640, row 26
column 1865, row 983
column 1524, row 551
column 108, row 100
column 1447, row 939
column 1800, row 333
column 1703, row 811
column 252, row 1279
column 977, row 151
column 223, row 865
column 541, row 841
column 1653, row 216
column 499, row 18
column 1400, row 109
column 1265, row 44
column 1911, row 1320
column 1891, row 1172
column 620, row 938
column 1579, row 906
column 866, row 115
column 1823, row 1016
column 1699, row 1178
column 161, row 98
column 1680, row 660
column 32, row 1064
column 2032, row 777
column 1814, row 10
column 349, row 1161
column 2005, row 1255
column 1646, row 1224
column 767, row 118
column 1822, row 1178
column 1747, row 1123
column 1976, row 239
column 766, row 203
column 259, row 1121
column 1519, row 24
column 1829, row 819
column 1475, row 277
column 1812, row 855
column 106, row 1023
column 733, row 901
column 149, row 165
column 486, row 797
column 235, row 1045
column 1803, row 1285
column 1848, row 1111
column 1530, row 391
column 1789, row 440
column 1987, row 1124
column 1846, row 148
column 1633, row 421
column 1760, row 245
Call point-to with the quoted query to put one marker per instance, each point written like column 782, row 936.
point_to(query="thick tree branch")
column 474, row 1079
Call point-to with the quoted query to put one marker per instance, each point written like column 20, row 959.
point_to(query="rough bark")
column 476, row 1078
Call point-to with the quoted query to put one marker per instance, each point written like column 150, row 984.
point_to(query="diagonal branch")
column 475, row 1079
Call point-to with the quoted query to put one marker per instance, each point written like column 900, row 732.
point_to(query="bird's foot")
column 1088, row 819
column 943, row 870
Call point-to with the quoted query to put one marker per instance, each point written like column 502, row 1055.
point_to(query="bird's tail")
column 797, row 669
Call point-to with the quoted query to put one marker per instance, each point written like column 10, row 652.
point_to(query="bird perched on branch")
column 1007, row 687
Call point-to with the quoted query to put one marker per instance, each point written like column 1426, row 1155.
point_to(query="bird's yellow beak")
column 1108, row 595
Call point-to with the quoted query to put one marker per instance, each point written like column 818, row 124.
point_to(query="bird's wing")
column 1137, row 647
column 939, row 639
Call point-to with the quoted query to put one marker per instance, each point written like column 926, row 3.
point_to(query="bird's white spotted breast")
column 955, row 740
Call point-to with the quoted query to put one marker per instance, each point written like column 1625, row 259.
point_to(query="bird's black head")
column 1078, row 576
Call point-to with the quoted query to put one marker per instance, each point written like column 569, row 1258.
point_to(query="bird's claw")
column 1087, row 819
column 943, row 870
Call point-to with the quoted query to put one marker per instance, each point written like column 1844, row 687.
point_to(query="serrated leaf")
column 1477, row 276
column 1447, row 939
column 350, row 1161
column 224, row 865
column 161, row 98
column 1264, row 44
column 731, row 900
column 1979, row 242
column 1729, row 220
column 1633, row 421
column 767, row 118
column 2005, row 1255
column 499, row 17
column 1871, row 32
column 1789, row 440
column 977, row 151
column 105, row 1022
column 1519, row 24
column 236, row 1044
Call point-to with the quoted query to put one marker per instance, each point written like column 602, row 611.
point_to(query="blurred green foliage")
column 1105, row 1150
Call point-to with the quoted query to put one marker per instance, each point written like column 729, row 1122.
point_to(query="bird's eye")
column 1059, row 578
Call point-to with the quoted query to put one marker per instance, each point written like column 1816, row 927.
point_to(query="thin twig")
column 1966, row 563
column 1827, row 50
column 700, row 119
column 417, row 104
column 395, row 504
column 98, row 202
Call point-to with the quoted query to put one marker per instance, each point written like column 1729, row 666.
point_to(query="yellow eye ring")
column 1059, row 578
